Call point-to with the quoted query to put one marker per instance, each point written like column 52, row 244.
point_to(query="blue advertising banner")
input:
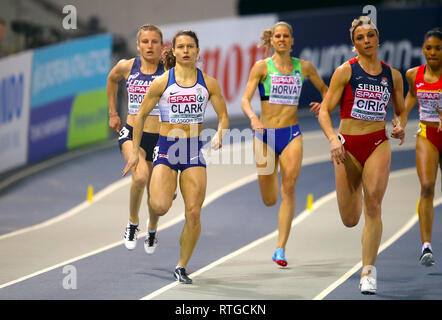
column 66, row 69
column 49, row 129
column 323, row 38
column 60, row 75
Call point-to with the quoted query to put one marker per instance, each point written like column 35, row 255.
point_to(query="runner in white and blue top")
column 182, row 94
column 182, row 105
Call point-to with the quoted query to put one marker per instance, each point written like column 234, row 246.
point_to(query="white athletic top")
column 184, row 105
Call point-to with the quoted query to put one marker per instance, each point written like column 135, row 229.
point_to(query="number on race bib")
column 124, row 132
column 155, row 153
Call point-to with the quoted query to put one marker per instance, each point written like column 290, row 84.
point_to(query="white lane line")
column 297, row 220
column 110, row 246
column 77, row 209
column 54, row 161
column 113, row 187
column 304, row 214
column 384, row 246
column 210, row 198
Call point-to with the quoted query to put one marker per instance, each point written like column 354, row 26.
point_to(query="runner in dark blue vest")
column 139, row 73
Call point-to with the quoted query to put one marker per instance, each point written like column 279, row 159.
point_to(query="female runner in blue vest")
column 361, row 152
column 279, row 79
column 139, row 72
column 182, row 94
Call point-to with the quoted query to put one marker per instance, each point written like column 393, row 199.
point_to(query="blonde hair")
column 362, row 20
column 268, row 33
column 149, row 27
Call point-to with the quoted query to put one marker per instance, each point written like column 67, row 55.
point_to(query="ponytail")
column 265, row 42
column 169, row 59
column 267, row 34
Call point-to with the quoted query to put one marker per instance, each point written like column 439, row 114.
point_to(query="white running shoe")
column 426, row 258
column 130, row 236
column 151, row 241
column 368, row 283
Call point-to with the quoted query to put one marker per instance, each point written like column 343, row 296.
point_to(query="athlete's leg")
column 139, row 180
column 193, row 183
column 374, row 180
column 162, row 187
column 267, row 168
column 290, row 161
column 427, row 160
column 348, row 178
column 153, row 218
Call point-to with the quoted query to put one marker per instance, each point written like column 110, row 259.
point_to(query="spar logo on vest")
column 370, row 101
column 136, row 90
column 428, row 101
column 285, row 89
column 186, row 108
column 428, row 95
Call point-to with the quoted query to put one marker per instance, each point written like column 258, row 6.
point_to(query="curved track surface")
column 49, row 233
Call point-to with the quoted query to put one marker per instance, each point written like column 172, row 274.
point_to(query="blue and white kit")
column 182, row 105
column 279, row 138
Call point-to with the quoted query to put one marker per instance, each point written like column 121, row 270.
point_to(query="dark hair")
column 168, row 57
column 149, row 27
column 436, row 32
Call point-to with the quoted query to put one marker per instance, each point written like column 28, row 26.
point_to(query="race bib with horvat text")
column 285, row 89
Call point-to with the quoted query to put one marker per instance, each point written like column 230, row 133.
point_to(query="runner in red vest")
column 425, row 87
column 361, row 152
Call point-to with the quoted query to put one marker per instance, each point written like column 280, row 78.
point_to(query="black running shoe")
column 426, row 258
column 180, row 275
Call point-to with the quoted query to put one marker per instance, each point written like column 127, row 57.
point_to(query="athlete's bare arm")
column 397, row 97
column 339, row 80
column 118, row 72
column 257, row 74
column 310, row 72
column 410, row 99
column 219, row 105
